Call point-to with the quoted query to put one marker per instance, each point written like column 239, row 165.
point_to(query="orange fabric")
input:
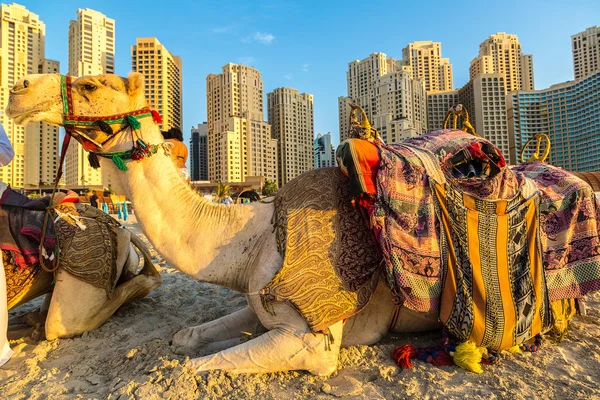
column 359, row 160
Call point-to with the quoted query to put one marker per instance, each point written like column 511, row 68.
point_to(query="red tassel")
column 443, row 358
column 403, row 354
column 156, row 117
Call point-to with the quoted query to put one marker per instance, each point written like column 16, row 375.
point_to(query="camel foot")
column 229, row 327
column 280, row 349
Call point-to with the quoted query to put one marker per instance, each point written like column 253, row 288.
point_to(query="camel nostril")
column 25, row 83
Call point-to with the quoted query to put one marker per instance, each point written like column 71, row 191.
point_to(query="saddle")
column 460, row 236
column 86, row 237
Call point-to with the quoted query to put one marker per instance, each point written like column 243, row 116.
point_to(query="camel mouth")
column 22, row 118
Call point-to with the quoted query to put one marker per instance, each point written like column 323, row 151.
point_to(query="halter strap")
column 72, row 122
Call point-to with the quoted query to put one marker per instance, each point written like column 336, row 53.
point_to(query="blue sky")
column 307, row 45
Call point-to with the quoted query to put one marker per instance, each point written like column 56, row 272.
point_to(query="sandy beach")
column 130, row 357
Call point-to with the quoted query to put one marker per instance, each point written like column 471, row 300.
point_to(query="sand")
column 130, row 357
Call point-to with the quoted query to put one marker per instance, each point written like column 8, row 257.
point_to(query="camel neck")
column 210, row 242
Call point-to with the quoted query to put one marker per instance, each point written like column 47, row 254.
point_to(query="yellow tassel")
column 515, row 349
column 468, row 356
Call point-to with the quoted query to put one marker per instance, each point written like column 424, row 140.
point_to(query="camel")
column 229, row 245
column 63, row 314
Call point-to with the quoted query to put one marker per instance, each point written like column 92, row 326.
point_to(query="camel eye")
column 89, row 87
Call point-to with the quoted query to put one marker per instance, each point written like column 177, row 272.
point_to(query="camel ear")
column 135, row 83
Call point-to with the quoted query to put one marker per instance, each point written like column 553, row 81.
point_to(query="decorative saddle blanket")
column 494, row 291
column 330, row 261
column 402, row 210
column 88, row 250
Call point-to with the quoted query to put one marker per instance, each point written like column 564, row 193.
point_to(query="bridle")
column 76, row 125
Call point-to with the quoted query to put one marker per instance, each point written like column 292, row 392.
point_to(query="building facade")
column 163, row 77
column 394, row 101
column 324, row 152
column 424, row 60
column 485, row 99
column 239, row 140
column 568, row 113
column 501, row 53
column 291, row 116
column 41, row 144
column 586, row 52
column 22, row 52
column 199, row 153
column 438, row 104
column 91, row 52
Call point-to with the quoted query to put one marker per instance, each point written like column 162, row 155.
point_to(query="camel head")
column 41, row 97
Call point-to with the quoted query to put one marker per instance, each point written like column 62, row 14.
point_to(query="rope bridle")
column 75, row 126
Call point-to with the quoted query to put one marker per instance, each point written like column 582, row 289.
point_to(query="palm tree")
column 222, row 191
column 269, row 188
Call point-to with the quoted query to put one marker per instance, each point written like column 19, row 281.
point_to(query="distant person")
column 6, row 155
column 94, row 200
column 179, row 154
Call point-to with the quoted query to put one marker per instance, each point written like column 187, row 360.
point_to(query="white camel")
column 232, row 246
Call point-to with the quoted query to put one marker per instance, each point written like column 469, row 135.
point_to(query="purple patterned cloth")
column 570, row 219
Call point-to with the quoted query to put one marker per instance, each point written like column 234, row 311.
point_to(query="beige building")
column 291, row 116
column 162, row 72
column 41, row 144
column 394, row 101
column 586, row 52
column 22, row 37
column 501, row 53
column 91, row 52
column 438, row 104
column 424, row 60
column 239, row 141
column 485, row 100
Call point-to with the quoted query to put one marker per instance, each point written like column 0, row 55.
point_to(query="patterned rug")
column 570, row 222
column 330, row 261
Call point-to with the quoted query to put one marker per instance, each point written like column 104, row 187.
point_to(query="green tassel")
column 133, row 122
column 119, row 163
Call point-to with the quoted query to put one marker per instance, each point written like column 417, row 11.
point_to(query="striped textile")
column 494, row 291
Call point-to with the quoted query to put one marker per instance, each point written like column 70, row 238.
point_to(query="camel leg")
column 231, row 326
column 284, row 348
column 77, row 306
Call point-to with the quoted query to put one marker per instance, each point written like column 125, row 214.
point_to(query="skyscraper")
column 485, row 99
column 424, row 60
column 291, row 116
column 91, row 52
column 199, row 153
column 394, row 101
column 239, row 141
column 568, row 113
column 324, row 152
column 586, row 52
column 163, row 74
column 501, row 53
column 22, row 37
column 438, row 104
column 41, row 144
